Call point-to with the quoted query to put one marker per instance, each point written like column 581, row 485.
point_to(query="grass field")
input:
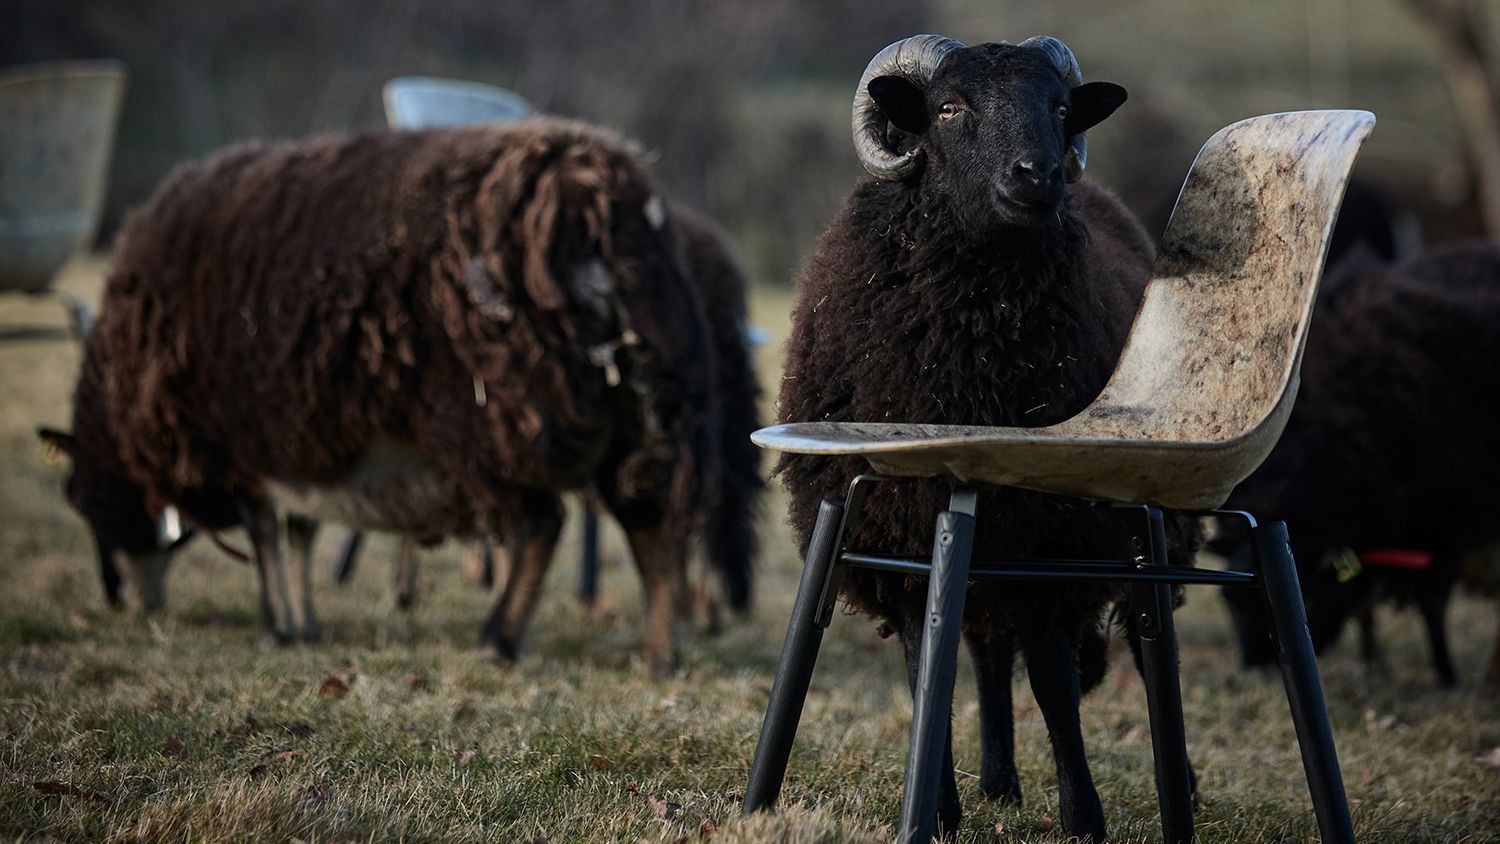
column 178, row 727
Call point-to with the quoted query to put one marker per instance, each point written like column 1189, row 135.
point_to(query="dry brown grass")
column 189, row 731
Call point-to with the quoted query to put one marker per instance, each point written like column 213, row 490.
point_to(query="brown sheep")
column 430, row 333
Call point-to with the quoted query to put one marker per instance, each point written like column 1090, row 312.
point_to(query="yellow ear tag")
column 1346, row 565
column 51, row 454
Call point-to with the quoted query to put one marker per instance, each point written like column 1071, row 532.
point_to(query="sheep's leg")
column 662, row 559
column 994, row 659
column 109, row 574
column 300, row 532
column 531, row 540
column 1433, row 604
column 404, row 573
column 588, row 564
column 1492, row 676
column 706, row 615
column 495, row 558
column 1053, row 667
column 479, row 563
column 343, row 563
column 1369, row 643
column 275, row 609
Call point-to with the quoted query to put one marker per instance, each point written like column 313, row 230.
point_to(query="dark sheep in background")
column 432, row 333
column 730, row 542
column 1391, row 445
column 966, row 285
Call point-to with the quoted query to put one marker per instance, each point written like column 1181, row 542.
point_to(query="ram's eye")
column 1062, row 112
column 949, row 110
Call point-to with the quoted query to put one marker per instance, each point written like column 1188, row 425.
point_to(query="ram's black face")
column 994, row 123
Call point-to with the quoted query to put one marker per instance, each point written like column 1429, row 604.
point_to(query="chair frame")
column 951, row 567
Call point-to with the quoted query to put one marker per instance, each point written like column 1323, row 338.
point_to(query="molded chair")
column 1200, row 395
column 427, row 102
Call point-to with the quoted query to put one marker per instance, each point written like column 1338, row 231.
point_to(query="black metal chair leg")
column 1152, row 607
column 588, row 566
column 794, row 672
column 933, row 700
column 1304, row 689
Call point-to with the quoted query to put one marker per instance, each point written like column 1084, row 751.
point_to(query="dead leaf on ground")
column 258, row 770
column 173, row 747
column 708, row 827
column 1047, row 823
column 599, row 763
column 288, row 755
column 1491, row 759
column 53, row 788
column 1002, row 828
column 333, row 687
column 416, row 681
column 664, row 808
column 463, row 756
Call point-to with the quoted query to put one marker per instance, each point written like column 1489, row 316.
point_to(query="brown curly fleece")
column 901, row 318
column 278, row 308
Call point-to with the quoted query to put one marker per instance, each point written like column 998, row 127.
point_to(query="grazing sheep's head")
column 996, row 128
column 129, row 541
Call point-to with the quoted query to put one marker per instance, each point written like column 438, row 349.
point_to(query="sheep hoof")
column 499, row 651
column 271, row 639
column 661, row 667
column 405, row 600
column 311, row 633
column 1008, row 794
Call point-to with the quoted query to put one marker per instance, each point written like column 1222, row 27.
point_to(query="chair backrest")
column 423, row 102
column 57, row 131
column 1214, row 353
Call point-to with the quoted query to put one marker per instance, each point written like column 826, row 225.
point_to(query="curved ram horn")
column 1067, row 65
column 915, row 58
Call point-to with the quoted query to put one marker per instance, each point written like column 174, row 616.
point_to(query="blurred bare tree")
column 1473, row 66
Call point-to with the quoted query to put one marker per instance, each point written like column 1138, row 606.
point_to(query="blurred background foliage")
column 747, row 104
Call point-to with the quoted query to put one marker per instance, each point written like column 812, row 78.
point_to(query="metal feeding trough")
column 57, row 129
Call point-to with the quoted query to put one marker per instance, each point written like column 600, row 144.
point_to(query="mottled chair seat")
column 1199, row 397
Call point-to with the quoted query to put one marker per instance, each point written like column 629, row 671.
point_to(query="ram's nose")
column 1036, row 175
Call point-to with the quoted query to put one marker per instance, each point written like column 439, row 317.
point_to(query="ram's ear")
column 57, row 442
column 901, row 101
column 1091, row 103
